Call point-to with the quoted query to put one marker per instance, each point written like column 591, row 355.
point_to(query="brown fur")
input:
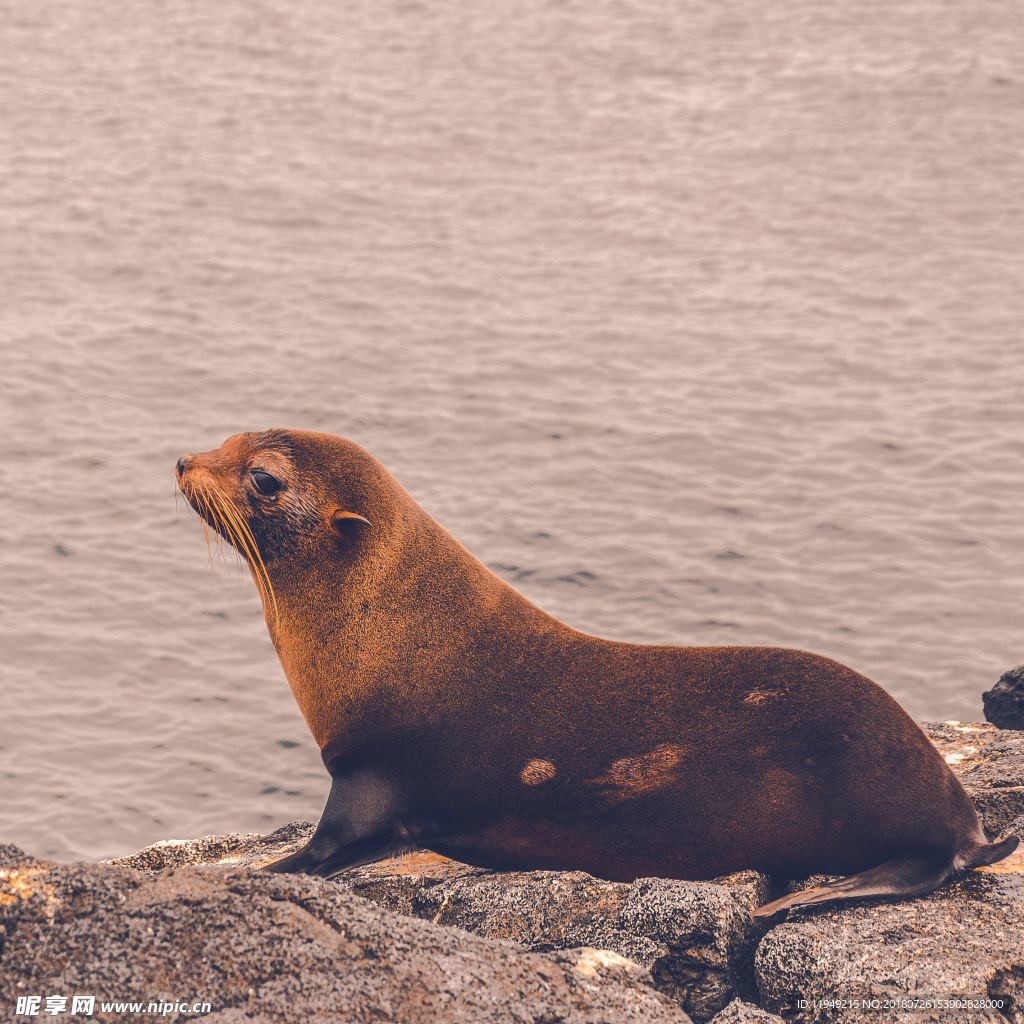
column 499, row 735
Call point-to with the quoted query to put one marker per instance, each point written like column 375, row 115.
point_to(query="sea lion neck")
column 354, row 619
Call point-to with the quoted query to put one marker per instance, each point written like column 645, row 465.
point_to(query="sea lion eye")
column 265, row 483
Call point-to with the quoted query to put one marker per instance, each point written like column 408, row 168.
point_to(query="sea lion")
column 454, row 714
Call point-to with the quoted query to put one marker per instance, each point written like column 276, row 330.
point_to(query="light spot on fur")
column 536, row 772
column 630, row 777
column 760, row 696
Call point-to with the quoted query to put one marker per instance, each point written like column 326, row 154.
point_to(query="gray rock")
column 738, row 1012
column 694, row 941
column 695, row 938
column 280, row 948
column 990, row 764
column 1004, row 703
column 965, row 941
column 249, row 849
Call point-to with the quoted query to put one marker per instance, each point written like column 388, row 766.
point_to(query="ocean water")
column 699, row 323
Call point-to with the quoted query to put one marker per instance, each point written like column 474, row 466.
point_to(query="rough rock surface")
column 243, row 849
column 264, row 947
column 965, row 941
column 1004, row 703
column 990, row 764
column 738, row 1012
column 696, row 939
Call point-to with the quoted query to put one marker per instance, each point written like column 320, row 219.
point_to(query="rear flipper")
column 899, row 878
column 989, row 852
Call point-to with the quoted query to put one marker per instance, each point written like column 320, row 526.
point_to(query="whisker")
column 216, row 509
column 213, row 507
column 247, row 532
column 220, row 526
column 247, row 543
column 231, row 527
column 206, row 529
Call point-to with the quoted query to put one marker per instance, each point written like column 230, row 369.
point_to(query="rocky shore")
column 424, row 939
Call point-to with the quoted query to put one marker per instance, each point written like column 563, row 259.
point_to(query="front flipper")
column 359, row 824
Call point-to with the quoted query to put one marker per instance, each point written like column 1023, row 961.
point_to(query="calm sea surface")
column 697, row 322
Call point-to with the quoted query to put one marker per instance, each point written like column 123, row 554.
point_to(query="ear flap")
column 347, row 524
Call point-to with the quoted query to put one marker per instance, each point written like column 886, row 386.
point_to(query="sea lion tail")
column 991, row 851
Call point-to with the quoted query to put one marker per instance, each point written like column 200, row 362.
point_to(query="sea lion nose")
column 182, row 465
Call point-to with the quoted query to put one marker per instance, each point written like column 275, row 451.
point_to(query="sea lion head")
column 290, row 501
